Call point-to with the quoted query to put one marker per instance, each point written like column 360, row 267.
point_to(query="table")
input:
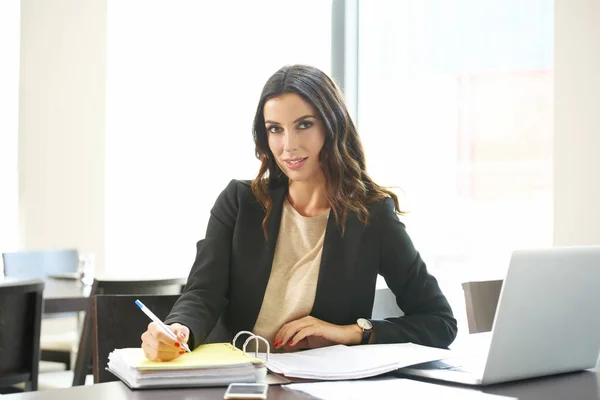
column 65, row 296
column 62, row 295
column 583, row 385
column 118, row 391
column 574, row 386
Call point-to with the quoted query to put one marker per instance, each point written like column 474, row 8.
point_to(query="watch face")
column 364, row 323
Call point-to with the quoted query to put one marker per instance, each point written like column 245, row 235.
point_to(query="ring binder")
column 213, row 364
column 256, row 339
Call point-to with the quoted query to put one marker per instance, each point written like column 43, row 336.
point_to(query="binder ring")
column 239, row 334
column 257, row 338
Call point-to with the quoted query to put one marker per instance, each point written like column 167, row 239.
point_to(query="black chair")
column 481, row 301
column 118, row 323
column 39, row 265
column 106, row 287
column 20, row 322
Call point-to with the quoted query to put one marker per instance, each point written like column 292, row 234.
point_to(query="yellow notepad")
column 204, row 356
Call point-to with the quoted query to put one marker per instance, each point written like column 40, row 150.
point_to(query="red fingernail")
column 182, row 352
column 291, row 343
column 177, row 344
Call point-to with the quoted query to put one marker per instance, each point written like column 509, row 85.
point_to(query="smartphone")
column 246, row 391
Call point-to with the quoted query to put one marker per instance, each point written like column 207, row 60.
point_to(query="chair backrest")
column 20, row 324
column 481, row 300
column 118, row 323
column 40, row 264
column 105, row 287
column 157, row 286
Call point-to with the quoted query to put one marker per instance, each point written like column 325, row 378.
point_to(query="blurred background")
column 122, row 121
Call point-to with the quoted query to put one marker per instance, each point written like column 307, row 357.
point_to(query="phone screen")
column 249, row 389
column 246, row 390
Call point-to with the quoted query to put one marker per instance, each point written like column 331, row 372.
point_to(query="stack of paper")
column 208, row 365
column 352, row 362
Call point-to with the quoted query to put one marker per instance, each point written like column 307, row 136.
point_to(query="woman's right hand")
column 158, row 346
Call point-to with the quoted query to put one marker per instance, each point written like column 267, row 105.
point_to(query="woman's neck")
column 308, row 198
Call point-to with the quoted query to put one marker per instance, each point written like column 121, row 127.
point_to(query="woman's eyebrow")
column 296, row 120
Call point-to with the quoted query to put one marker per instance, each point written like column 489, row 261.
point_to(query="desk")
column 118, row 391
column 62, row 295
column 65, row 296
column 576, row 386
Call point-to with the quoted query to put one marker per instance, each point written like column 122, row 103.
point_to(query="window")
column 455, row 107
column 183, row 82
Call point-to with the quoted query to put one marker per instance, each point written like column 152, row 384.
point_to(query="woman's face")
column 296, row 136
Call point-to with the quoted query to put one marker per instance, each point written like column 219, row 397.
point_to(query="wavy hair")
column 348, row 186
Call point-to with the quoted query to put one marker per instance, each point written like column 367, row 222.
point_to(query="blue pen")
column 164, row 327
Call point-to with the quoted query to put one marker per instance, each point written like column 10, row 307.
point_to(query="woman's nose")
column 291, row 142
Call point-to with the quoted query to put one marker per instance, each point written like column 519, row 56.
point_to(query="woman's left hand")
column 311, row 332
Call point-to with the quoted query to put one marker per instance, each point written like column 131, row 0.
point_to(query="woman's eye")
column 274, row 129
column 305, row 125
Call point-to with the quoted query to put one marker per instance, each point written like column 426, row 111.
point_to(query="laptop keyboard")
column 466, row 364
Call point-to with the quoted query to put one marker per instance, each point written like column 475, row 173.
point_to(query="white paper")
column 383, row 388
column 352, row 362
column 122, row 364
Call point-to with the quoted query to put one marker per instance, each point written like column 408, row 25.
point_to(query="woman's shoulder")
column 382, row 206
column 237, row 185
column 383, row 211
column 238, row 190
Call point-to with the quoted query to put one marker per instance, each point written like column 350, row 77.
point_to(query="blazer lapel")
column 337, row 270
column 260, row 275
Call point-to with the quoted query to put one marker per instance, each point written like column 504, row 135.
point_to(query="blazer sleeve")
column 205, row 295
column 428, row 318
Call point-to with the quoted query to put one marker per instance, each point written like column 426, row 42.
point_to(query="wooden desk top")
column 62, row 295
column 118, row 391
column 583, row 385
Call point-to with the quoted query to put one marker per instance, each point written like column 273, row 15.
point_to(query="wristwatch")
column 366, row 327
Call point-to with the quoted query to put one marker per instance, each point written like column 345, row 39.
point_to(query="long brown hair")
column 349, row 188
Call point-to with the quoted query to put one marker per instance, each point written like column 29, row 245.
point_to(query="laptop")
column 547, row 321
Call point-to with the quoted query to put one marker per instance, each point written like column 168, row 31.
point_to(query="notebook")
column 217, row 364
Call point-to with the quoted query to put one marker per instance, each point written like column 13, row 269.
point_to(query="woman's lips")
column 296, row 163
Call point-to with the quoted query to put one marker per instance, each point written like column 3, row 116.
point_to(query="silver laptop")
column 547, row 321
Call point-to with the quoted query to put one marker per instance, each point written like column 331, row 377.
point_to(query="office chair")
column 481, row 300
column 108, row 287
column 40, row 265
column 20, row 317
column 118, row 323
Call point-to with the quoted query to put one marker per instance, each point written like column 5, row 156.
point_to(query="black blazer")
column 233, row 263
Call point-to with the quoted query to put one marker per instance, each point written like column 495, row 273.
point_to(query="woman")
column 294, row 255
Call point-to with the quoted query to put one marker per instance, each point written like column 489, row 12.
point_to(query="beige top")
column 290, row 293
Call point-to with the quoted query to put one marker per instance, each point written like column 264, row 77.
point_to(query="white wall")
column 577, row 123
column 61, row 124
column 9, row 100
column 134, row 115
